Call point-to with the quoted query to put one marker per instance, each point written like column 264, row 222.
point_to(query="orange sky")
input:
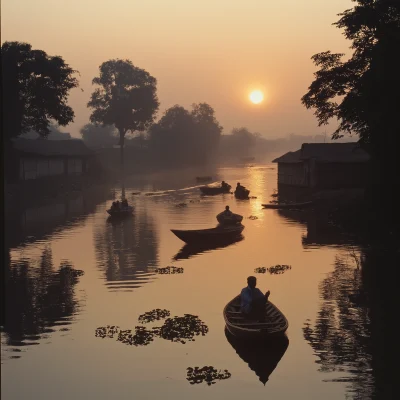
column 212, row 51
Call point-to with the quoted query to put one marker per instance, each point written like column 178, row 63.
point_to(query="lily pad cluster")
column 182, row 329
column 141, row 337
column 181, row 205
column 153, row 315
column 253, row 217
column 274, row 270
column 176, row 329
column 106, row 331
column 207, row 374
column 169, row 270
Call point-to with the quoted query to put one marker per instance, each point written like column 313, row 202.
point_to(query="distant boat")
column 288, row 205
column 209, row 235
column 232, row 219
column 261, row 357
column 203, row 178
column 247, row 159
column 214, row 190
column 122, row 212
column 275, row 322
column 242, row 195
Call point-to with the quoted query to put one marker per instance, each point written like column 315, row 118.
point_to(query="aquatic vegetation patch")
column 153, row 315
column 176, row 329
column 136, row 193
column 253, row 217
column 106, row 331
column 169, row 270
column 252, row 197
column 274, row 270
column 182, row 329
column 181, row 205
column 141, row 337
column 207, row 374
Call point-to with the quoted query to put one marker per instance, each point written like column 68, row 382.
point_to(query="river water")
column 72, row 270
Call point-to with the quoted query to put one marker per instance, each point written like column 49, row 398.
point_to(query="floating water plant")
column 253, row 217
column 169, row 270
column 182, row 329
column 153, row 315
column 207, row 374
column 274, row 270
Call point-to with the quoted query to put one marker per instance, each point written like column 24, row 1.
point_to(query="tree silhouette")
column 126, row 98
column 362, row 92
column 35, row 87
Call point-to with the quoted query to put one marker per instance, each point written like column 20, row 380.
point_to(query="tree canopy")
column 362, row 92
column 126, row 97
column 36, row 88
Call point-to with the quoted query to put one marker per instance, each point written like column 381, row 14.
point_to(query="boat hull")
column 208, row 235
column 275, row 323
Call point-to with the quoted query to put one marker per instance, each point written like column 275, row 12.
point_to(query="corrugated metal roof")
column 334, row 152
column 290, row 157
column 43, row 147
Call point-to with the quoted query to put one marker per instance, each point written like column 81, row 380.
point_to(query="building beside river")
column 324, row 166
column 40, row 158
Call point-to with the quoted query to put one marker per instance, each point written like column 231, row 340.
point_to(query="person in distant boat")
column 227, row 212
column 252, row 300
column 240, row 190
column 224, row 185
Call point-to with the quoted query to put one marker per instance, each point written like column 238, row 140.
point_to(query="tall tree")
column 35, row 90
column 363, row 92
column 126, row 98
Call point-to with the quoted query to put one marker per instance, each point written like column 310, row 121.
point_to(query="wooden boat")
column 262, row 357
column 232, row 219
column 213, row 190
column 122, row 212
column 278, row 206
column 242, row 195
column 275, row 322
column 203, row 178
column 209, row 235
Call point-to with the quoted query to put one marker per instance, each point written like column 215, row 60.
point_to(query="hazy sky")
column 213, row 51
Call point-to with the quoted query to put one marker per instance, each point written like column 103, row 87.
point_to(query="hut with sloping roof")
column 324, row 166
column 40, row 158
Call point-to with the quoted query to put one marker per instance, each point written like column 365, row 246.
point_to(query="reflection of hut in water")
column 320, row 230
column 262, row 357
column 38, row 299
column 126, row 250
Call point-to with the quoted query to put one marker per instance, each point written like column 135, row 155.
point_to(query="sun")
column 256, row 96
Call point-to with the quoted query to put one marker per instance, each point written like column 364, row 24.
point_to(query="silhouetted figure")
column 240, row 190
column 124, row 203
column 253, row 301
column 224, row 185
column 227, row 212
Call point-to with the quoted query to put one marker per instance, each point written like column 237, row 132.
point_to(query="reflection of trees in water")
column 126, row 250
column 38, row 298
column 261, row 357
column 341, row 337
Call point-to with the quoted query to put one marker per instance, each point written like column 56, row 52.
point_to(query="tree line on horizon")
column 361, row 93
